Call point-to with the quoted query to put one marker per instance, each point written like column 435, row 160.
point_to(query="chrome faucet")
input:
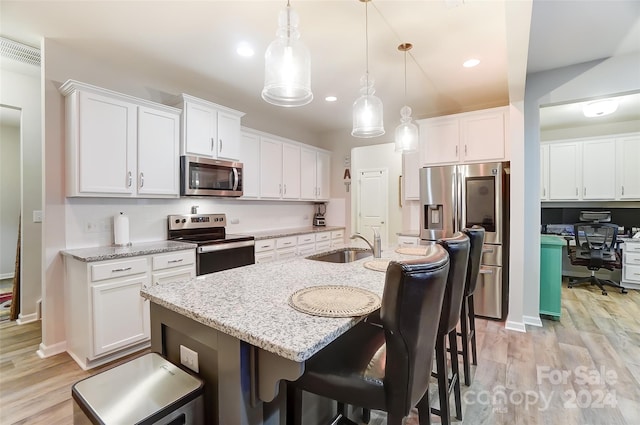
column 194, row 209
column 375, row 248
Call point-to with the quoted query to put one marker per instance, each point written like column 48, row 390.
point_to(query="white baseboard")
column 27, row 318
column 6, row 275
column 51, row 350
column 515, row 326
column 532, row 320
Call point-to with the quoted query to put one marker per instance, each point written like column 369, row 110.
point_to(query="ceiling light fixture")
column 287, row 67
column 600, row 108
column 367, row 109
column 330, row 98
column 406, row 135
column 245, row 50
column 470, row 63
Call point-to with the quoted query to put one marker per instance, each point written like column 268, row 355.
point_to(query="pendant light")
column 367, row 109
column 406, row 135
column 287, row 67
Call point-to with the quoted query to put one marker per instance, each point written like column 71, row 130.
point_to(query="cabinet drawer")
column 324, row 236
column 304, row 239
column 286, row 242
column 265, row 245
column 632, row 247
column 323, row 246
column 337, row 234
column 118, row 269
column 631, row 259
column 174, row 259
column 408, row 241
column 631, row 273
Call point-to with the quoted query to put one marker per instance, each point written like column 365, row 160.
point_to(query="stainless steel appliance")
column 210, row 177
column 216, row 249
column 458, row 196
column 318, row 217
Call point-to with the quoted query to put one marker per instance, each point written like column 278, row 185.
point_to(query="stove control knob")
column 184, row 220
column 177, row 220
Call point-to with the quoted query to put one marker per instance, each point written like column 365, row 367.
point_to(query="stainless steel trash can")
column 144, row 391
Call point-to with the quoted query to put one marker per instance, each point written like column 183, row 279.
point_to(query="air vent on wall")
column 19, row 52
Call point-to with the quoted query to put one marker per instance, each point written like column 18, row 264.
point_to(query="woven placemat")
column 334, row 301
column 409, row 250
column 377, row 265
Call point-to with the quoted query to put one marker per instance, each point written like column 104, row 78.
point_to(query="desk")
column 247, row 337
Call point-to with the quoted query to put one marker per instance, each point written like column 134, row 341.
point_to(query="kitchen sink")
column 344, row 255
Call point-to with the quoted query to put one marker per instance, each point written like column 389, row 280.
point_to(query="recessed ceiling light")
column 245, row 50
column 599, row 108
column 330, row 98
column 470, row 63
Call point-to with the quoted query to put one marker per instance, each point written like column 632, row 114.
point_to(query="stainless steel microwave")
column 210, row 177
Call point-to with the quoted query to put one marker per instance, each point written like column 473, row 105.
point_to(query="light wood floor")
column 583, row 369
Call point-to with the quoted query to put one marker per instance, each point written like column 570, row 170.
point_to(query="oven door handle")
column 224, row 246
column 235, row 178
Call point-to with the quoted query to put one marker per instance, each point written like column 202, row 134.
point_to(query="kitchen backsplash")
column 90, row 220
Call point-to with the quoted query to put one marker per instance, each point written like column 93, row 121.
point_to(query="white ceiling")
column 197, row 40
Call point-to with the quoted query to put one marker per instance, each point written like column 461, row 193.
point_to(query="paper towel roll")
column 121, row 229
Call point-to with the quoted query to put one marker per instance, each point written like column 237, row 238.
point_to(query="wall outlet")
column 37, row 216
column 189, row 358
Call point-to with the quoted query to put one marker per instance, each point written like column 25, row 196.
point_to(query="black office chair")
column 595, row 249
column 467, row 314
column 384, row 366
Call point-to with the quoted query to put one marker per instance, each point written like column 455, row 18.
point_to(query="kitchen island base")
column 244, row 385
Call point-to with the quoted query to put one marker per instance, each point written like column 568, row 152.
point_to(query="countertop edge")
column 103, row 253
column 279, row 233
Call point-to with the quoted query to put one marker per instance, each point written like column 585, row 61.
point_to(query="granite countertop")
column 102, row 253
column 269, row 234
column 251, row 302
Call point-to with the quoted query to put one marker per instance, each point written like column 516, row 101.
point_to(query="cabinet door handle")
column 456, row 151
column 124, row 269
column 544, row 191
column 175, row 261
column 129, row 179
column 212, row 144
column 141, row 179
column 623, row 190
column 576, row 191
column 285, row 190
column 280, row 189
column 584, row 191
column 465, row 150
column 220, row 147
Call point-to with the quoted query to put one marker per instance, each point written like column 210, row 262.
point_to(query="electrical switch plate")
column 189, row 358
column 37, row 216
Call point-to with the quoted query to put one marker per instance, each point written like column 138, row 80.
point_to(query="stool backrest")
column 458, row 247
column 476, row 239
column 410, row 311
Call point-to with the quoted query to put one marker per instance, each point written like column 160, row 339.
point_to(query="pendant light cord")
column 366, row 41
column 405, row 77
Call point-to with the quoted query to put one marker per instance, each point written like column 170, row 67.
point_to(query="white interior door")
column 372, row 206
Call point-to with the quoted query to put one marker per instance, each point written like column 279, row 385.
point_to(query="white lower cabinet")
column 301, row 245
column 631, row 264
column 337, row 238
column 120, row 314
column 105, row 316
column 408, row 241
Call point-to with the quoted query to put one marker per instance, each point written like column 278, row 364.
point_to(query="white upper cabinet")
column 411, row 175
column 158, row 132
column 598, row 169
column 290, row 171
column 564, row 171
column 544, row 172
column 118, row 145
column 250, row 158
column 468, row 137
column 270, row 168
column 593, row 169
column 628, row 167
column 209, row 130
column 314, row 174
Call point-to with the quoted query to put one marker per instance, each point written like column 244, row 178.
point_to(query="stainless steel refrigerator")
column 453, row 197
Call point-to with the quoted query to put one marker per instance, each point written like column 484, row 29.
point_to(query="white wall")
column 9, row 197
column 20, row 88
column 615, row 75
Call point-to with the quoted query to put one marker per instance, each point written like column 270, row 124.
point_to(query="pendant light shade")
column 367, row 109
column 287, row 68
column 406, row 135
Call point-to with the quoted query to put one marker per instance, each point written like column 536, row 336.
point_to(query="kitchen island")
column 248, row 338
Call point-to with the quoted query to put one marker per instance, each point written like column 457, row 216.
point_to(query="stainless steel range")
column 216, row 249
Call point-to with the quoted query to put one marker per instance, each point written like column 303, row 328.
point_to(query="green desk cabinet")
column 551, row 275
